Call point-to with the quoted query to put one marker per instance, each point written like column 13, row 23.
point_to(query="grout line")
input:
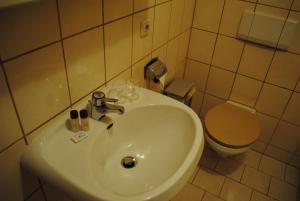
column 43, row 191
column 240, row 59
column 214, row 48
column 152, row 40
column 190, row 29
column 47, row 121
column 104, row 45
column 63, row 52
column 32, row 193
column 14, row 104
column 131, row 58
column 12, row 144
column 86, row 95
column 29, row 51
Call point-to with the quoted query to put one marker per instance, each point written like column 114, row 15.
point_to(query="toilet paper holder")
column 155, row 69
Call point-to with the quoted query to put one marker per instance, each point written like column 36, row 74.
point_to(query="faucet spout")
column 114, row 107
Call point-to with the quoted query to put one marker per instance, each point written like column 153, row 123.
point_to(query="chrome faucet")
column 100, row 106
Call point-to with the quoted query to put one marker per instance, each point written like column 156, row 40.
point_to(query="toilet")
column 231, row 128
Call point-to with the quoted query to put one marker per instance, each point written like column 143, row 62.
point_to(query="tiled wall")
column 54, row 53
column 266, row 79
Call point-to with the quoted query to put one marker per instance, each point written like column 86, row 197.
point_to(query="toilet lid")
column 231, row 125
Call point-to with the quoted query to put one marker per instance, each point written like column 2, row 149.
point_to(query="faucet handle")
column 99, row 99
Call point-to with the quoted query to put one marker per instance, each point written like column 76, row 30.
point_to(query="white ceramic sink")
column 164, row 136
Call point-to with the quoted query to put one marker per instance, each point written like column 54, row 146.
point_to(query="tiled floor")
column 247, row 177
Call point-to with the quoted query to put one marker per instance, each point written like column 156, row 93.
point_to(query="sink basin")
column 148, row 154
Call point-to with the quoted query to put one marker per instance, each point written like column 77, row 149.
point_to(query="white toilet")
column 231, row 128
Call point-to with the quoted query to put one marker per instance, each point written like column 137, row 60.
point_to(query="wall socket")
column 144, row 28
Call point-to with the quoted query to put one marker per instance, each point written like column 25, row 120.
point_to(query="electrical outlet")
column 144, row 28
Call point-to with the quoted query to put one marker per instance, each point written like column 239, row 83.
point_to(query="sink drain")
column 129, row 162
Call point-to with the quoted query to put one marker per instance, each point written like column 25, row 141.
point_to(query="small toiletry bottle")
column 74, row 121
column 84, row 120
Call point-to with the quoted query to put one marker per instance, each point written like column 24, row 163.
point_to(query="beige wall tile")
column 161, row 24
column 187, row 18
column 286, row 136
column 184, row 40
column 259, row 146
column 9, row 124
column 76, row 16
column 118, row 46
column 234, row 191
column 272, row 167
column 142, row 45
column 256, row 179
column 232, row 14
column 85, row 62
column 296, row 5
column 40, row 81
column 278, row 3
column 190, row 193
column 297, row 89
column 138, row 71
column 278, row 154
column 295, row 161
column 245, row 90
column 209, row 102
column 160, row 1
column 268, row 125
column 210, row 197
column 292, row 175
column 114, row 9
column 257, row 196
column 204, row 17
column 295, row 46
column 202, row 45
column 197, row 101
column 255, row 61
column 176, row 17
column 172, row 58
column 219, row 82
column 54, row 195
column 209, row 181
column 275, row 95
column 292, row 112
column 284, row 70
column 27, row 21
column 142, row 4
column 231, row 168
column 37, row 196
column 197, row 73
column 228, row 52
column 161, row 53
column 272, row 10
column 180, row 69
column 250, row 158
column 16, row 184
column 282, row 191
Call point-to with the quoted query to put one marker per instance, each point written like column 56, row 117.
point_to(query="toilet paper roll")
column 162, row 81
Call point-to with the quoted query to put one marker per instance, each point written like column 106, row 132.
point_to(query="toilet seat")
column 232, row 126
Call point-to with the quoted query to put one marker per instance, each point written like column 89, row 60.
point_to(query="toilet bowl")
column 231, row 128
